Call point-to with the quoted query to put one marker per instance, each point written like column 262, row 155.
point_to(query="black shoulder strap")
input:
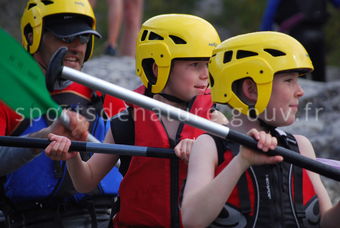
column 223, row 145
column 23, row 125
column 290, row 142
column 123, row 132
column 242, row 184
column 297, row 171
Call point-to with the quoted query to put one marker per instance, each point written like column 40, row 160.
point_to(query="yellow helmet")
column 258, row 56
column 34, row 18
column 166, row 37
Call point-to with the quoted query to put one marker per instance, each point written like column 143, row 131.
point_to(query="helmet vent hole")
column 155, row 36
column 31, row 5
column 145, row 32
column 177, row 40
column 244, row 54
column 212, row 82
column 274, row 52
column 47, row 2
column 227, row 56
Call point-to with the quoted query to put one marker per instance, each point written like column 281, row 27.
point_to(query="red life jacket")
column 280, row 195
column 84, row 100
column 149, row 191
column 111, row 105
column 9, row 119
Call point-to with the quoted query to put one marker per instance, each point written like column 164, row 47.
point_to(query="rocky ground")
column 318, row 118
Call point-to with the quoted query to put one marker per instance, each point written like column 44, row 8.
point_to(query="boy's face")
column 284, row 101
column 74, row 57
column 187, row 79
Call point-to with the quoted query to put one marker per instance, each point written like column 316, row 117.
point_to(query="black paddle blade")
column 55, row 67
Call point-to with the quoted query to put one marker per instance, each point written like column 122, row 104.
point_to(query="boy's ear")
column 29, row 38
column 249, row 90
column 155, row 69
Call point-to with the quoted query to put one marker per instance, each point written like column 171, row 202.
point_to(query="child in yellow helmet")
column 172, row 57
column 256, row 74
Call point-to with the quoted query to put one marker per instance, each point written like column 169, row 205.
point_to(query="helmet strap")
column 174, row 99
column 252, row 112
column 266, row 127
column 147, row 91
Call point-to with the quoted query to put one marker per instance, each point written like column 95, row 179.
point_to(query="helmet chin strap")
column 266, row 127
column 148, row 92
column 174, row 99
column 166, row 96
column 252, row 114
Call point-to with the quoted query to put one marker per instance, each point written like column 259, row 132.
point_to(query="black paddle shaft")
column 214, row 128
column 106, row 148
column 294, row 158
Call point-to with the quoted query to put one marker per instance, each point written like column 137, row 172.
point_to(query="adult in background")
column 40, row 193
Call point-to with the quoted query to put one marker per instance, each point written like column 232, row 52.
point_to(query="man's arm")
column 12, row 158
